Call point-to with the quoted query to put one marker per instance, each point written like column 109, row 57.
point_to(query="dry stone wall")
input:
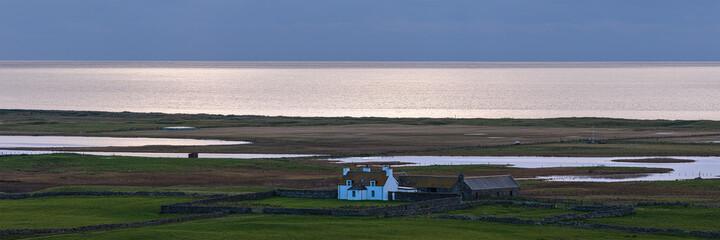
column 201, row 206
column 680, row 204
column 639, row 229
column 419, row 196
column 489, row 219
column 595, row 212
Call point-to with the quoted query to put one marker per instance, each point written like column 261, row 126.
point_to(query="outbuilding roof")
column 491, row 182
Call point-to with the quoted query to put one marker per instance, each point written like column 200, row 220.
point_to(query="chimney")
column 367, row 169
column 388, row 172
column 345, row 171
column 460, row 177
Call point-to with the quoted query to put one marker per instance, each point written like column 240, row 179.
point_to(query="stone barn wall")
column 495, row 193
column 419, row 196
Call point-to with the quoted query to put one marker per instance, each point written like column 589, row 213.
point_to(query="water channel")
column 704, row 167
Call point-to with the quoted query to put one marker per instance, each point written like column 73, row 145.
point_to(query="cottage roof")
column 491, row 182
column 364, row 178
column 427, row 181
column 357, row 187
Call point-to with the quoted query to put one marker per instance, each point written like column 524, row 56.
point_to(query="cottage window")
column 372, row 193
column 353, row 193
column 348, row 182
column 372, row 183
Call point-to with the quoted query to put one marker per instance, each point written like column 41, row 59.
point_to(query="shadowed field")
column 689, row 218
column 330, row 227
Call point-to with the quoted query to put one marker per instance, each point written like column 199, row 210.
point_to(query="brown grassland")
column 361, row 137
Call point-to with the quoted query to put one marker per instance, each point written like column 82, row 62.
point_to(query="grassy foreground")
column 687, row 218
column 72, row 211
column 56, row 212
column 327, row 227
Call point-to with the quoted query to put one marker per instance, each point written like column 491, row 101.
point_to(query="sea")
column 635, row 90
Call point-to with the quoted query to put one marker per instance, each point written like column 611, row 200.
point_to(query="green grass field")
column 328, row 227
column 287, row 202
column 686, row 218
column 55, row 212
column 75, row 211
column 498, row 210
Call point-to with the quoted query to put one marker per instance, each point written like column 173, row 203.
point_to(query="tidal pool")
column 704, row 167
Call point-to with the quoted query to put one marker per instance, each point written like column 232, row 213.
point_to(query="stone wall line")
column 489, row 219
column 681, row 204
column 419, row 196
column 639, row 229
column 200, row 206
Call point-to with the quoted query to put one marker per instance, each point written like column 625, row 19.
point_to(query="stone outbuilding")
column 486, row 187
column 469, row 188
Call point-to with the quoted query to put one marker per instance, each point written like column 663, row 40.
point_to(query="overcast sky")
column 361, row 30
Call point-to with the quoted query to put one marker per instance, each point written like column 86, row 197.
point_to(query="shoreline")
column 215, row 115
column 450, row 114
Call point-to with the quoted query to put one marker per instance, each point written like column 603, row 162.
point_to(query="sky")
column 361, row 30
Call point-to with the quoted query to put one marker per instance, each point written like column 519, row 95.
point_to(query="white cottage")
column 366, row 184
